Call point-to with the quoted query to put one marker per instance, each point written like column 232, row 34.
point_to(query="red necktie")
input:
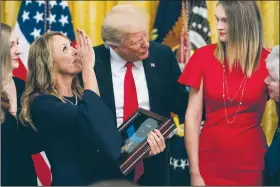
column 130, row 106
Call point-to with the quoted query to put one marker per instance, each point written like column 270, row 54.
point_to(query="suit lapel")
column 105, row 83
column 104, row 77
column 152, row 82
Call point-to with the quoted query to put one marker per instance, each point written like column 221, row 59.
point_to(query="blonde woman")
column 74, row 124
column 229, row 76
column 16, row 140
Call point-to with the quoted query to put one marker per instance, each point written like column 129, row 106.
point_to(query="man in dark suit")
column 128, row 67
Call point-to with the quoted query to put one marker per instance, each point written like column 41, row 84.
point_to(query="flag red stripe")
column 42, row 169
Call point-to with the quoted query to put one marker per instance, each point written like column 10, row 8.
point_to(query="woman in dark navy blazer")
column 73, row 124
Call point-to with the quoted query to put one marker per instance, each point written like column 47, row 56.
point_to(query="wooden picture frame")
column 134, row 132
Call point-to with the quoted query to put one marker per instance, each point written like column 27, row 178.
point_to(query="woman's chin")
column 15, row 65
column 78, row 70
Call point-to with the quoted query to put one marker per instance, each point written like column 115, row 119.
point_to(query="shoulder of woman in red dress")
column 206, row 49
column 265, row 51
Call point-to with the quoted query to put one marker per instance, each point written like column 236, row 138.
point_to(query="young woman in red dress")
column 229, row 77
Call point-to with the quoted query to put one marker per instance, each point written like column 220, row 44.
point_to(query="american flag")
column 34, row 19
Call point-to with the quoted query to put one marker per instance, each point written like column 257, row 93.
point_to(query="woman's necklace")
column 76, row 100
column 225, row 86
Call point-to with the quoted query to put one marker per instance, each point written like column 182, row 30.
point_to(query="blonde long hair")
column 245, row 36
column 41, row 77
column 6, row 66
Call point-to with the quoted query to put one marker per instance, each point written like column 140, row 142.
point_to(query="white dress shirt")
column 118, row 73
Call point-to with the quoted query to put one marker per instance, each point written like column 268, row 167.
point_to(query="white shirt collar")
column 119, row 61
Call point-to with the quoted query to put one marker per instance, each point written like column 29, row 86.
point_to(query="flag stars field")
column 38, row 17
column 36, row 33
column 40, row 2
column 53, row 3
column 63, row 4
column 64, row 20
column 51, row 18
column 27, row 2
column 25, row 16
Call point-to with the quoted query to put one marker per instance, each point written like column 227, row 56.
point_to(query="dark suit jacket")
column 165, row 95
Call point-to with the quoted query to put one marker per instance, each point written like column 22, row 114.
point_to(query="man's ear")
column 115, row 48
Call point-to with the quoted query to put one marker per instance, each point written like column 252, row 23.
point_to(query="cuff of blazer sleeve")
column 90, row 93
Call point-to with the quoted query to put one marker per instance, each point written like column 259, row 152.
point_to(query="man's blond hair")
column 123, row 19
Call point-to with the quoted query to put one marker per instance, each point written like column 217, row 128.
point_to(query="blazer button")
column 98, row 150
